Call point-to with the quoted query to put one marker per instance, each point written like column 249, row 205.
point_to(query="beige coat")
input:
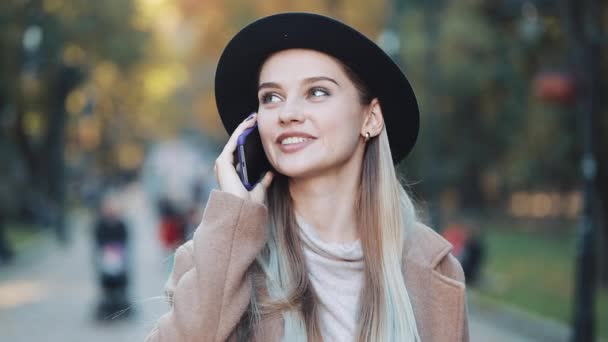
column 208, row 289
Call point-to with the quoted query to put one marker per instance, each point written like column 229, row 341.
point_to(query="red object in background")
column 468, row 248
column 171, row 232
column 457, row 235
column 555, row 87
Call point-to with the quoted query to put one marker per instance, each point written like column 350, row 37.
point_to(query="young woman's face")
column 309, row 114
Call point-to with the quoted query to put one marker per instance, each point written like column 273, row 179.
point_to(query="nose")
column 291, row 112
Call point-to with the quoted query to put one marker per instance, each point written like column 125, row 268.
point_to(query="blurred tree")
column 488, row 122
column 48, row 47
column 469, row 127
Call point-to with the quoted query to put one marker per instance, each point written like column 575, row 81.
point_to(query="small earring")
column 367, row 136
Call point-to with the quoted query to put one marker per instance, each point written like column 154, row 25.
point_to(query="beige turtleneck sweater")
column 336, row 273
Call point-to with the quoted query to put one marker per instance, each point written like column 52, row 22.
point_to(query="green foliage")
column 473, row 72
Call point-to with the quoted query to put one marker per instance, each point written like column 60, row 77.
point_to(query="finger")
column 230, row 146
column 267, row 180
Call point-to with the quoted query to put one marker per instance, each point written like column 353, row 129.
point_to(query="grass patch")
column 534, row 269
column 21, row 236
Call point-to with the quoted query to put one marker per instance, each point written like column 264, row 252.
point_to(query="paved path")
column 51, row 296
column 498, row 326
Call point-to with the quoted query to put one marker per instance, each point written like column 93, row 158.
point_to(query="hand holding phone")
column 228, row 179
column 251, row 162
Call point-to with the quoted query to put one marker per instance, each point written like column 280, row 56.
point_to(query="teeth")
column 293, row 140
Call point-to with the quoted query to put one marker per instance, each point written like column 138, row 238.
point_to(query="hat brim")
column 236, row 77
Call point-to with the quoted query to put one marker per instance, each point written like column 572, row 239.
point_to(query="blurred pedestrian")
column 327, row 245
column 111, row 246
column 468, row 247
column 472, row 257
column 173, row 224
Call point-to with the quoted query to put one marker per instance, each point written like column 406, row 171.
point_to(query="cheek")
column 341, row 135
column 265, row 130
column 343, row 123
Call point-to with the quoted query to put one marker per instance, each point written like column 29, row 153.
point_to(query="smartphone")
column 251, row 162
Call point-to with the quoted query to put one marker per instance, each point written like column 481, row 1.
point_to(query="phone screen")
column 250, row 160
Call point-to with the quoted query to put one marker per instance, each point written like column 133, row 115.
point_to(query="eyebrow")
column 306, row 80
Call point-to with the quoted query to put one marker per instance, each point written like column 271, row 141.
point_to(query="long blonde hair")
column 280, row 280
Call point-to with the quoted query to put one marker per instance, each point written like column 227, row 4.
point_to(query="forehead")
column 300, row 64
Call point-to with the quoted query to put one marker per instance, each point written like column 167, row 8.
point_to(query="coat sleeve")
column 208, row 289
column 450, row 267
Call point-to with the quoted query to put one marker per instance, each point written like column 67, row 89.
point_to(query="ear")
column 374, row 120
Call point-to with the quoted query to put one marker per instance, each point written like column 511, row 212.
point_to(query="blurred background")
column 109, row 130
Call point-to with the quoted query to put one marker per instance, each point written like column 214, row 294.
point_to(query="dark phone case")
column 251, row 158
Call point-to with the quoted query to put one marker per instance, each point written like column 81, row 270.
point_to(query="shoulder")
column 426, row 248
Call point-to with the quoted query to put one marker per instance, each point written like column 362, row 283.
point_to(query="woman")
column 327, row 246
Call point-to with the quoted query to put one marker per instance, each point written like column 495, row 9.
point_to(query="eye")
column 269, row 97
column 318, row 92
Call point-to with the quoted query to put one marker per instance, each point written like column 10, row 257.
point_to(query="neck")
column 327, row 202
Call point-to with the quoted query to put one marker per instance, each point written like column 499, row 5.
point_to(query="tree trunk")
column 67, row 79
column 470, row 188
column 600, row 124
column 601, row 153
column 603, row 232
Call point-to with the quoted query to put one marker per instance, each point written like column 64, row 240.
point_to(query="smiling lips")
column 293, row 142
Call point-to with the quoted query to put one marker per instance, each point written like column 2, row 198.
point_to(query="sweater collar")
column 350, row 251
column 422, row 245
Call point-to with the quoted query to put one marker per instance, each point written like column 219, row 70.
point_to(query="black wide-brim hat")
column 236, row 76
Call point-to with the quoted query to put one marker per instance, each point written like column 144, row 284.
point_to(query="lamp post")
column 585, row 55
column 582, row 26
column 585, row 62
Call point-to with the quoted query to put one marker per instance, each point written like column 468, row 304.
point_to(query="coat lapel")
column 438, row 300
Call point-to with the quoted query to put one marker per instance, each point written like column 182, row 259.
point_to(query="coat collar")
column 424, row 247
column 437, row 298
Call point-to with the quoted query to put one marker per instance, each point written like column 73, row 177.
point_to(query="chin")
column 294, row 172
column 297, row 169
